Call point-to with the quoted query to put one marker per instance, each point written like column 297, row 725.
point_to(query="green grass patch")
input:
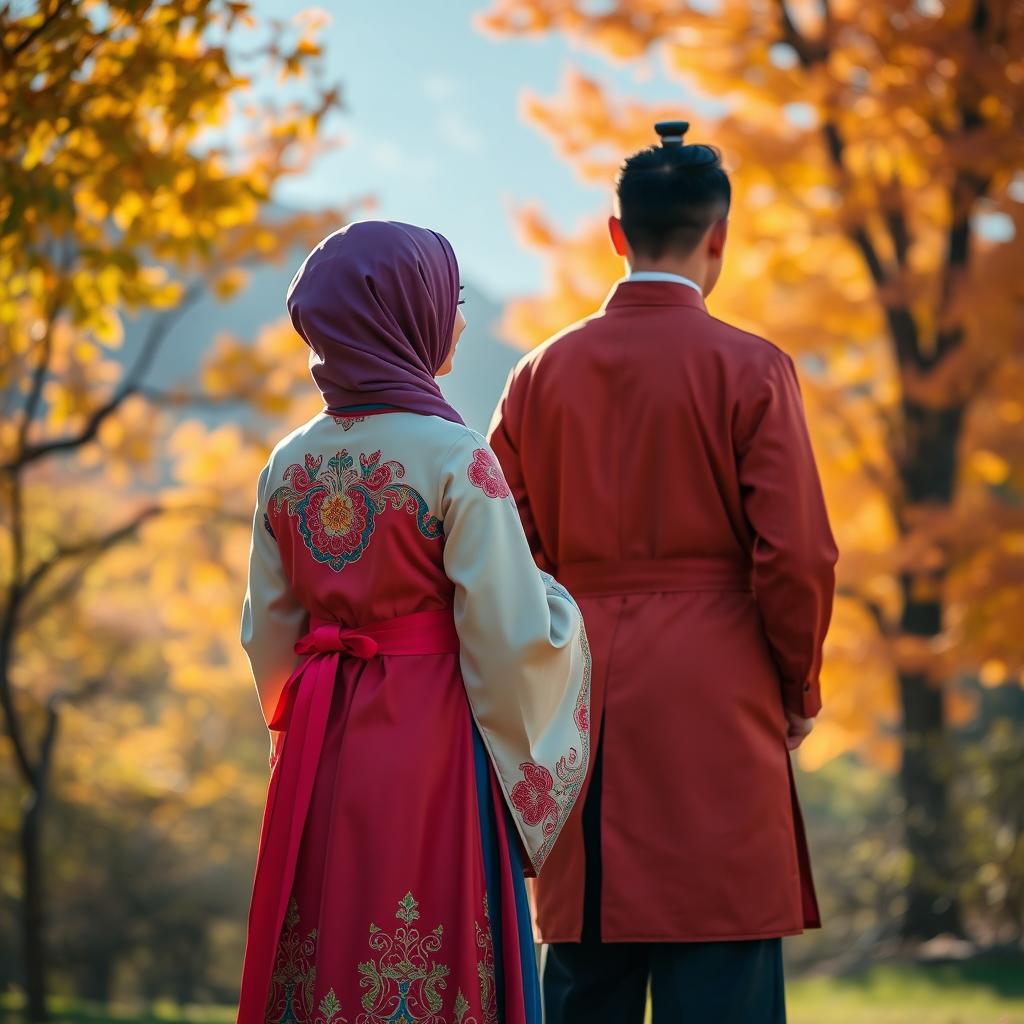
column 983, row 991
column 67, row 1011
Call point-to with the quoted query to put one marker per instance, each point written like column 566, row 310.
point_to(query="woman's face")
column 460, row 326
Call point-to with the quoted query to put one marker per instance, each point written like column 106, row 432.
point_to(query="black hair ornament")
column 672, row 132
column 672, row 138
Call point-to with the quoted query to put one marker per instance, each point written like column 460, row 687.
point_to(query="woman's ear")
column 618, row 236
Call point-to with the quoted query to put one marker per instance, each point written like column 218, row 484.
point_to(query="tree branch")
column 35, row 393
column 42, row 368
column 896, row 223
column 966, row 190
column 49, row 736
column 862, row 240
column 24, row 762
column 131, row 384
column 808, row 51
column 8, row 627
column 92, row 546
column 31, row 36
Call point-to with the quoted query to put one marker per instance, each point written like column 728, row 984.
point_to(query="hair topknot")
column 696, row 156
column 669, row 195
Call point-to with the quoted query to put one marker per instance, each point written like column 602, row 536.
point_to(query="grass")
column 980, row 992
column 64, row 1011
column 986, row 991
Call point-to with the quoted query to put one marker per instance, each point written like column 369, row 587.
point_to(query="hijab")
column 376, row 303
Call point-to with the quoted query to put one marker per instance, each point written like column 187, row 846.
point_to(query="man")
column 662, row 468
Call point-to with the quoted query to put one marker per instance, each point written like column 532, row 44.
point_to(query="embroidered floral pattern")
column 404, row 984
column 532, row 797
column 347, row 422
column 485, row 969
column 485, row 473
column 485, row 972
column 291, row 986
column 338, row 507
column 582, row 718
column 542, row 798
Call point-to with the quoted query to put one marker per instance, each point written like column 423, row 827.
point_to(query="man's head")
column 673, row 202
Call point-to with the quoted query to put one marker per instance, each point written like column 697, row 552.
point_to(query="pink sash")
column 303, row 710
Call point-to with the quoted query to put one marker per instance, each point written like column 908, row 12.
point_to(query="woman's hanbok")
column 432, row 688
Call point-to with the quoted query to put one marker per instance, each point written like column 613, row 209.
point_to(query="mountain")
column 481, row 366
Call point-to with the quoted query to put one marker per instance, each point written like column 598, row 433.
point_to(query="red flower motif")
column 532, row 796
column 485, row 473
column 347, row 422
column 583, row 718
column 336, row 521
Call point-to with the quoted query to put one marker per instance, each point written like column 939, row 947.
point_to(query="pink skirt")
column 389, row 885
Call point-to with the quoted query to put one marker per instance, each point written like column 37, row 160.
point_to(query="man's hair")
column 669, row 196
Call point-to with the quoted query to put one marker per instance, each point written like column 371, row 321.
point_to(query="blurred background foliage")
column 877, row 155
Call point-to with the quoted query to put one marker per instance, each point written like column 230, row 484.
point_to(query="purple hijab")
column 376, row 303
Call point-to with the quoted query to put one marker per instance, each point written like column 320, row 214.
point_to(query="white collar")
column 659, row 275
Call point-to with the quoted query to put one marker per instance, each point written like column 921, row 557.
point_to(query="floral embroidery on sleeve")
column 543, row 798
column 532, row 797
column 485, row 473
column 267, row 526
column 582, row 718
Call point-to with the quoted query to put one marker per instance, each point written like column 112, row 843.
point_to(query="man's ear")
column 618, row 236
column 717, row 235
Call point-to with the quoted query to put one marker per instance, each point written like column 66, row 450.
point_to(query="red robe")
column 663, row 472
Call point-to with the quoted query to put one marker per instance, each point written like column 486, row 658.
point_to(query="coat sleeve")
column 794, row 552
column 524, row 654
column 272, row 617
column 504, row 437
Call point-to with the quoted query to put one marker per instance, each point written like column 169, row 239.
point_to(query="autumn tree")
column 876, row 234
column 139, row 148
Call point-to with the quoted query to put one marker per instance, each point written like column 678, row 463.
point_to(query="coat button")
column 807, row 687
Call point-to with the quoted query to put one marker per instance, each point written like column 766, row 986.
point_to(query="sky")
column 432, row 128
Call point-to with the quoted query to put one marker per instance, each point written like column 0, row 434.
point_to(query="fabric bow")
column 335, row 640
column 323, row 640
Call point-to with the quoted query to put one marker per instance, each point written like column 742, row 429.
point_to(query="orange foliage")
column 128, row 190
column 876, row 235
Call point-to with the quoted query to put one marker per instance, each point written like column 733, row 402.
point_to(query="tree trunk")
column 95, row 982
column 928, row 471
column 33, row 927
column 933, row 906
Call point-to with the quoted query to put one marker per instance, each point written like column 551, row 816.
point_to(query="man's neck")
column 689, row 269
column 665, row 275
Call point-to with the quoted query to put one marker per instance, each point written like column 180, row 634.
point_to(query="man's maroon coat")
column 662, row 467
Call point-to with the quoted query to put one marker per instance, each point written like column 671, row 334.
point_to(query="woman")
column 426, row 685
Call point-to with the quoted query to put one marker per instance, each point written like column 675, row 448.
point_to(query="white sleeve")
column 272, row 617
column 524, row 654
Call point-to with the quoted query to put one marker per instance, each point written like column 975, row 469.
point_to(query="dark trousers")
column 691, row 982
column 593, row 982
